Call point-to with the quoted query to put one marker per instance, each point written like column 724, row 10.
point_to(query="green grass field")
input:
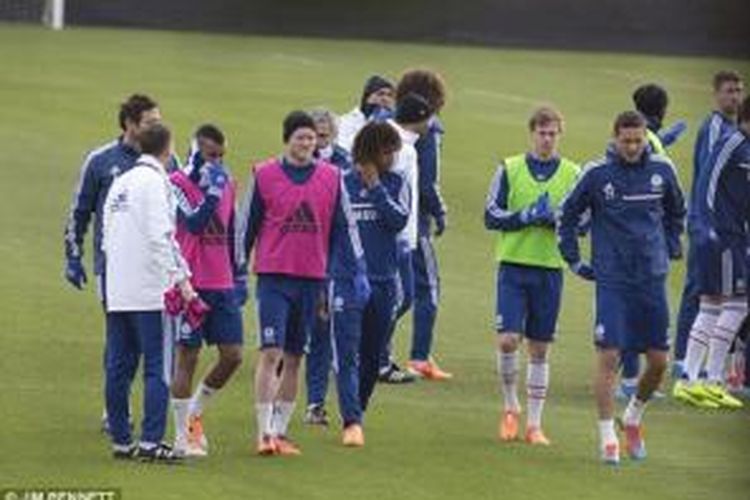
column 58, row 98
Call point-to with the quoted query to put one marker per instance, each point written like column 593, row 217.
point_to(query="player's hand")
column 534, row 212
column 545, row 214
column 672, row 134
column 186, row 290
column 362, row 289
column 240, row 290
column 440, row 225
column 369, row 174
column 75, row 273
column 583, row 270
column 214, row 179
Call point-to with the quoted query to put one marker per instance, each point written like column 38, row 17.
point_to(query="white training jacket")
column 405, row 163
column 349, row 126
column 142, row 257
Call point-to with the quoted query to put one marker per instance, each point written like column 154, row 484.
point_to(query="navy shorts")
column 528, row 301
column 721, row 268
column 632, row 318
column 223, row 324
column 287, row 309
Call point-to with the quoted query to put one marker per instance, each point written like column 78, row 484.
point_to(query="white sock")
column 200, row 398
column 181, row 409
column 507, row 369
column 282, row 414
column 537, row 381
column 634, row 411
column 729, row 323
column 698, row 341
column 607, row 431
column 264, row 416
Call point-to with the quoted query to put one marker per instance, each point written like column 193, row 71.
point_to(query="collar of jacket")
column 407, row 136
column 151, row 162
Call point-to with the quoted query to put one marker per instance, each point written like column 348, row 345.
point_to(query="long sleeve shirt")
column 143, row 259
column 637, row 216
column 431, row 203
column 99, row 169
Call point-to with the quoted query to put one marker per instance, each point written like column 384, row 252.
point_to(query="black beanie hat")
column 412, row 108
column 296, row 120
column 651, row 100
column 372, row 85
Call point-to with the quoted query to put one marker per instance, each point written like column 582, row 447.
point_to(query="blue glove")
column 583, row 270
column 240, row 291
column 75, row 273
column 362, row 288
column 534, row 213
column 214, row 179
column 440, row 225
column 670, row 135
column 545, row 212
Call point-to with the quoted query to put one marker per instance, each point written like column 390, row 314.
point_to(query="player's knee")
column 292, row 362
column 657, row 363
column 231, row 357
column 609, row 361
column 270, row 358
column 538, row 352
column 508, row 342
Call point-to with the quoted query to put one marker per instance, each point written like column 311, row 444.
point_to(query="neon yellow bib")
column 655, row 142
column 533, row 245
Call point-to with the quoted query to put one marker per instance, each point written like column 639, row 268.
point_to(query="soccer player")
column 99, row 169
column 431, row 211
column 411, row 120
column 143, row 261
column 721, row 249
column 205, row 196
column 521, row 204
column 361, row 325
column 651, row 101
column 318, row 364
column 728, row 91
column 377, row 97
column 637, row 211
column 294, row 209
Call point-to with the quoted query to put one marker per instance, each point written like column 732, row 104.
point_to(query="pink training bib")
column 207, row 253
column 295, row 232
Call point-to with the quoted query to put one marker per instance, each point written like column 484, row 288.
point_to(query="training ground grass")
column 58, row 98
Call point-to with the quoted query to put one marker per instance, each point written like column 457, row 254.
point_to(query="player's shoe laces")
column 721, row 396
column 196, row 436
column 508, row 427
column 393, row 374
column 610, row 453
column 316, row 414
column 286, row 447
column 161, row 453
column 691, row 395
column 266, row 446
column 353, row 436
column 428, row 370
column 535, row 436
column 124, row 451
column 634, row 443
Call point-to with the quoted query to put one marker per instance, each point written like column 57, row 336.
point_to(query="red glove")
column 173, row 301
column 195, row 312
